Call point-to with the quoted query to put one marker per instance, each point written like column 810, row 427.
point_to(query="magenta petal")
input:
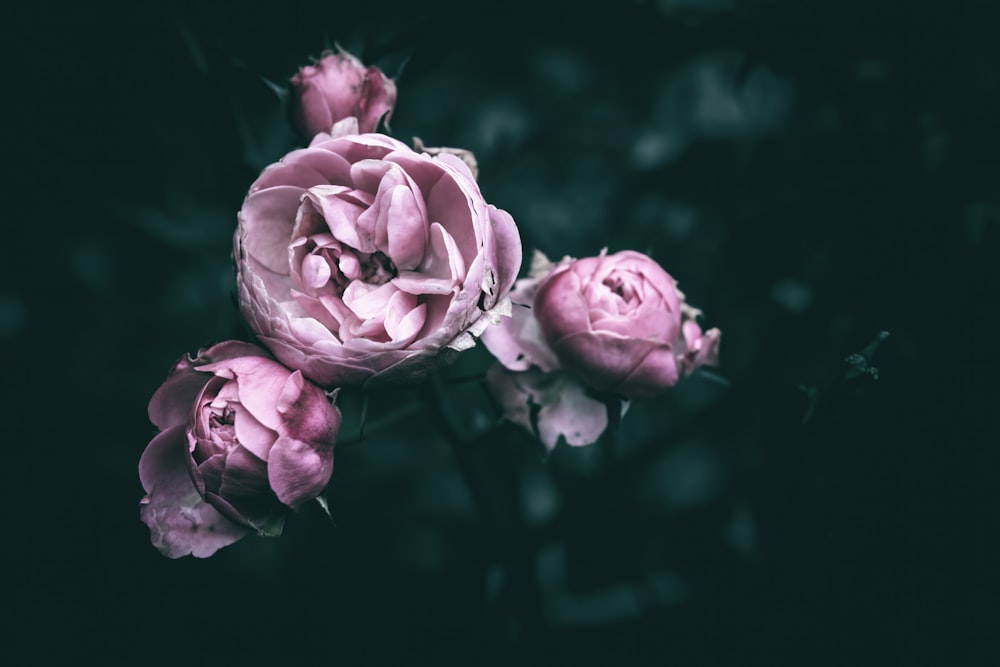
column 179, row 520
column 231, row 349
column 656, row 372
column 378, row 99
column 307, row 413
column 245, row 489
column 299, row 471
column 559, row 305
column 604, row 360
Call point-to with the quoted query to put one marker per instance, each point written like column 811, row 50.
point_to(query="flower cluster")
column 364, row 262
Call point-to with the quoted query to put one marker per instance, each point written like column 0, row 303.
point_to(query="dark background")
column 813, row 174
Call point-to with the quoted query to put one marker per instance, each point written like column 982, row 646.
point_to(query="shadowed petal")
column 180, row 522
column 563, row 407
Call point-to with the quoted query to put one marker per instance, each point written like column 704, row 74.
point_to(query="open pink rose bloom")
column 243, row 440
column 338, row 86
column 614, row 323
column 360, row 259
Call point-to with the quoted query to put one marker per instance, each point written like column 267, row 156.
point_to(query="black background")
column 812, row 173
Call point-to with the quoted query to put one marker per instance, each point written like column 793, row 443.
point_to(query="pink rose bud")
column 360, row 259
column 612, row 323
column 242, row 440
column 337, row 87
column 616, row 320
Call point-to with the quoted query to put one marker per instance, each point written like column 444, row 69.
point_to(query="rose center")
column 378, row 269
column 621, row 288
column 222, row 425
column 325, row 262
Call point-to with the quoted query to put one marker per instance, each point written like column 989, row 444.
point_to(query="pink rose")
column 339, row 86
column 614, row 323
column 242, row 439
column 359, row 258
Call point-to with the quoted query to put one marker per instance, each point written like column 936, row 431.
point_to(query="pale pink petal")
column 517, row 341
column 415, row 282
column 366, row 175
column 564, row 409
column 444, row 259
column 570, row 413
column 267, row 220
column 368, row 301
column 304, row 168
column 404, row 317
column 508, row 249
column 252, row 434
column 258, row 382
column 450, row 205
column 405, row 225
column 340, row 216
column 315, row 272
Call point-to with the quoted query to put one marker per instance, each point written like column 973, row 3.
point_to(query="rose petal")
column 259, row 381
column 404, row 317
column 253, row 435
column 179, row 520
column 342, row 217
column 267, row 220
column 298, row 471
column 172, row 403
column 605, row 360
column 449, row 204
column 570, row 413
column 405, row 223
column 559, row 305
column 368, row 301
column 654, row 373
column 315, row 272
column 517, row 341
column 508, row 250
column 302, row 458
column 245, row 489
column 564, row 409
